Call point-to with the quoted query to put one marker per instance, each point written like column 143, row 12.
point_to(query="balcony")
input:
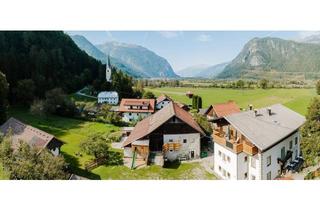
column 243, row 145
column 219, row 137
column 249, row 148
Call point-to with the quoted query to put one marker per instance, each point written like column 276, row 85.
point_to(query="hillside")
column 139, row 59
column 275, row 58
column 49, row 59
column 94, row 52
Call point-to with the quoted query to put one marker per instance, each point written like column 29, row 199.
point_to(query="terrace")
column 236, row 143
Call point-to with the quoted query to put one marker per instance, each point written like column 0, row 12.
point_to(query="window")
column 219, row 168
column 296, row 140
column 253, row 177
column 245, row 158
column 171, row 150
column 184, row 141
column 228, row 159
column 253, row 162
column 170, row 140
column 269, row 175
column 129, row 113
column 246, row 175
column 269, row 160
column 290, row 144
column 220, row 153
column 228, row 174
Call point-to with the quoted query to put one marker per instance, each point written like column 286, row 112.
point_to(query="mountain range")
column 202, row 71
column 275, row 58
column 135, row 60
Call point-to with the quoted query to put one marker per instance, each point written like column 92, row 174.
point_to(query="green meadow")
column 295, row 99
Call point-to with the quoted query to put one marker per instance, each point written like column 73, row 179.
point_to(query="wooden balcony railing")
column 242, row 146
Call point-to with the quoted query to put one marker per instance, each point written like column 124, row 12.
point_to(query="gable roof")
column 136, row 102
column 163, row 97
column 30, row 135
column 265, row 130
column 224, row 109
column 151, row 123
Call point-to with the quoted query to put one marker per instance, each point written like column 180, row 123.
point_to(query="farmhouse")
column 109, row 97
column 218, row 111
column 169, row 134
column 162, row 101
column 257, row 144
column 32, row 136
column 135, row 109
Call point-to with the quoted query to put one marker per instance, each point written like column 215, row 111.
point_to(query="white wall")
column 193, row 144
column 275, row 153
column 162, row 104
column 55, row 151
column 229, row 166
column 108, row 100
column 126, row 117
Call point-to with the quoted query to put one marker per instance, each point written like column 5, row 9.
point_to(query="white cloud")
column 204, row 38
column 170, row 34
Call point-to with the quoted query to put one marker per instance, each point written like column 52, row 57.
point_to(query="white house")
column 109, row 97
column 162, row 101
column 169, row 134
column 257, row 144
column 136, row 109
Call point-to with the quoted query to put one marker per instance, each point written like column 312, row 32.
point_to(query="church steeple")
column 108, row 70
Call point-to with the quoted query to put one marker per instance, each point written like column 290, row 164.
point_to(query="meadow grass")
column 295, row 99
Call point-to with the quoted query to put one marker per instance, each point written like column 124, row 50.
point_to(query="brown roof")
column 163, row 97
column 151, row 123
column 225, row 109
column 22, row 132
column 137, row 102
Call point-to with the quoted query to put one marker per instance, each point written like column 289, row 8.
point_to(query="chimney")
column 269, row 111
column 255, row 112
column 250, row 107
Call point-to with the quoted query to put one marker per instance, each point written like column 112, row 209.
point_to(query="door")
column 192, row 154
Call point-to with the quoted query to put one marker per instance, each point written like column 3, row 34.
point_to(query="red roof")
column 143, row 103
column 225, row 109
column 151, row 123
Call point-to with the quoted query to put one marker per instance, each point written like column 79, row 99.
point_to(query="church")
column 109, row 97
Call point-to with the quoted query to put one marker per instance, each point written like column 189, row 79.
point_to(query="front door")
column 192, row 154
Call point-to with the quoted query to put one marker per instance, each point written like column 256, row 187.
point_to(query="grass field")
column 72, row 131
column 183, row 171
column 296, row 99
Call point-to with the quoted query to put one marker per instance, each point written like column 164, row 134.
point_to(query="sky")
column 189, row 48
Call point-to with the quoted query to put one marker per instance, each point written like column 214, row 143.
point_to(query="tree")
column 4, row 88
column 199, row 102
column 264, row 83
column 25, row 91
column 27, row 164
column 203, row 122
column 318, row 87
column 240, row 84
column 310, row 142
column 38, row 108
column 96, row 146
column 149, row 95
column 57, row 102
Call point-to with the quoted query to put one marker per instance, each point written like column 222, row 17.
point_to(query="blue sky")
column 189, row 48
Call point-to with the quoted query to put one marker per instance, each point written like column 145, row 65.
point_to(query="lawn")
column 72, row 131
column 296, row 99
column 184, row 171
